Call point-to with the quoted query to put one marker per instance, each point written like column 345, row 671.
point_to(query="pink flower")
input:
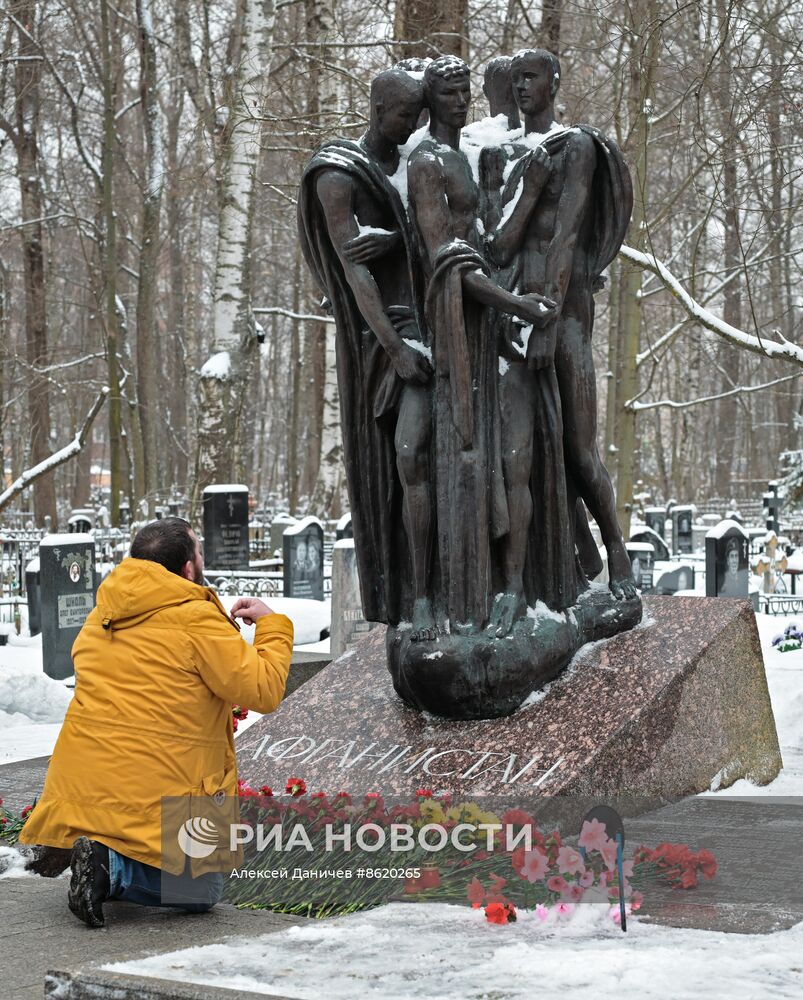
column 574, row 893
column 608, row 852
column 570, row 861
column 564, row 910
column 636, row 900
column 535, row 865
column 593, row 836
column 541, row 912
column 586, row 880
column 557, row 883
column 616, row 916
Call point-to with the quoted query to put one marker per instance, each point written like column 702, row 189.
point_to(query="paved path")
column 40, row 934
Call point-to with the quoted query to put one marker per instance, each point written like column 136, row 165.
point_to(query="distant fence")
column 249, row 583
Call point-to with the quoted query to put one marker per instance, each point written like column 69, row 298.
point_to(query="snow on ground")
column 32, row 705
column 442, row 952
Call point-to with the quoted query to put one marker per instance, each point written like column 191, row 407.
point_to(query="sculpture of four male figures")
column 460, row 263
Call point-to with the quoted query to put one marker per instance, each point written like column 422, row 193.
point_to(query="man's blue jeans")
column 135, row 882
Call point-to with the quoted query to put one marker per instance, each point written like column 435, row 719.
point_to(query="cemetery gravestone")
column 34, row 593
column 682, row 521
column 660, row 550
column 303, row 559
column 726, row 561
column 675, row 580
column 348, row 622
column 279, row 525
column 343, row 529
column 125, row 514
column 655, row 519
column 226, row 527
column 68, row 586
column 641, row 563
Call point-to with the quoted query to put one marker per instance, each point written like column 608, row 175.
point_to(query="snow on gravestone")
column 672, row 580
column 67, row 572
column 303, row 559
column 660, row 550
column 344, row 528
column 226, row 527
column 348, row 622
column 727, row 548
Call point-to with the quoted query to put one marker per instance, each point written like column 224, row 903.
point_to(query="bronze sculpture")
column 462, row 291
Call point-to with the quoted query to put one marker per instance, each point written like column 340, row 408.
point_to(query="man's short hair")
column 497, row 67
column 444, row 68
column 167, row 542
column 394, row 83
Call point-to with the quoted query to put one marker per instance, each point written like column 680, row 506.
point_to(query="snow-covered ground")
column 435, row 951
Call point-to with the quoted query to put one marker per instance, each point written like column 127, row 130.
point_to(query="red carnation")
column 26, row 812
column 500, row 913
column 266, row 790
column 295, row 786
column 422, row 793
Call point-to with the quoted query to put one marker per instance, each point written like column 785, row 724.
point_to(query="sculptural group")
column 460, row 263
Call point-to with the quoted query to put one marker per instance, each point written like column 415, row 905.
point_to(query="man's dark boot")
column 89, row 885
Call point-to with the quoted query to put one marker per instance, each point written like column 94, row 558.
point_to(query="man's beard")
column 199, row 575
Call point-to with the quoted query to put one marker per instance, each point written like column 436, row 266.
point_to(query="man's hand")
column 369, row 246
column 250, row 609
column 535, row 309
column 411, row 365
column 541, row 347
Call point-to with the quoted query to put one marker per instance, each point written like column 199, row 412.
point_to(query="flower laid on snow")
column 295, row 786
column 500, row 913
column 564, row 911
column 266, row 790
column 541, row 912
column 424, row 793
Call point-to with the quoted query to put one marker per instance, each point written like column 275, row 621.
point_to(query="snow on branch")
column 635, row 405
column 57, row 458
column 782, row 348
column 278, row 311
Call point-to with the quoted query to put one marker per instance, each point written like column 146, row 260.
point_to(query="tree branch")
column 57, row 458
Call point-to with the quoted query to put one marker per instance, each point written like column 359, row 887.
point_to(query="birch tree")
column 225, row 375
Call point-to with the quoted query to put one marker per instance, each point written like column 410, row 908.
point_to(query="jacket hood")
column 138, row 588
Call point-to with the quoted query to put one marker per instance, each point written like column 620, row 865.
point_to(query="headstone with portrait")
column 727, row 549
column 672, row 581
column 655, row 519
column 642, row 564
column 303, row 559
column 682, row 523
column 67, row 587
column 660, row 550
column 226, row 527
column 348, row 621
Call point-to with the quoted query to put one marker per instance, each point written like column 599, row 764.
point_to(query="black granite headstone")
column 68, row 585
column 660, row 550
column 727, row 549
column 655, row 518
column 33, row 590
column 281, row 522
column 226, row 527
column 303, row 559
column 641, row 564
column 125, row 514
column 682, row 521
column 671, row 581
column 344, row 528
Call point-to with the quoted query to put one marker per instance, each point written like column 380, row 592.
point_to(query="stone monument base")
column 666, row 710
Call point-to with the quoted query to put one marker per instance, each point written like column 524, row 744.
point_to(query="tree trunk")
column 28, row 72
column 224, row 377
column 551, row 13
column 147, row 351
column 431, row 28
column 644, row 51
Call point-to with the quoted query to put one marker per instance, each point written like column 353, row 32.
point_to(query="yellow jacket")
column 158, row 665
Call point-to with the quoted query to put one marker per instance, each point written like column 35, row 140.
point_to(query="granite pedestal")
column 666, row 710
